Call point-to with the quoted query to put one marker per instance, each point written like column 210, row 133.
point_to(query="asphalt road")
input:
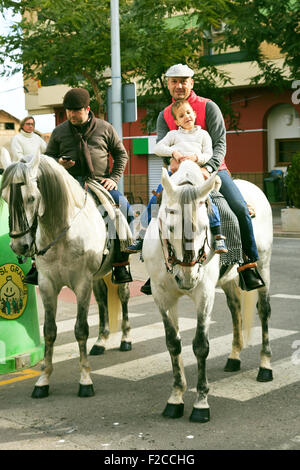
column 132, row 387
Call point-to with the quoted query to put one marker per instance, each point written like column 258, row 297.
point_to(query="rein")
column 170, row 258
column 32, row 229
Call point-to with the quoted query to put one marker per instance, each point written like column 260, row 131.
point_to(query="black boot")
column 32, row 276
column 120, row 275
column 250, row 278
column 146, row 288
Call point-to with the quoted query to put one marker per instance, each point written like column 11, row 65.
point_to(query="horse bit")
column 188, row 255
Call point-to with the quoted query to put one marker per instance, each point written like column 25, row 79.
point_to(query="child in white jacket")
column 189, row 141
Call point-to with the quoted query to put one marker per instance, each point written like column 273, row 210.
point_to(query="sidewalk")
column 277, row 227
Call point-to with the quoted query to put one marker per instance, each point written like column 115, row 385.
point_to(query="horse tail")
column 113, row 305
column 248, row 305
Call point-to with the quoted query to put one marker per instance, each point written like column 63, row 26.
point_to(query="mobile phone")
column 66, row 158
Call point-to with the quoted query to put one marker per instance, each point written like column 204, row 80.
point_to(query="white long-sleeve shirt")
column 188, row 142
column 26, row 143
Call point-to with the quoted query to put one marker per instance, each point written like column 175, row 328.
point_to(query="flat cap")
column 77, row 98
column 179, row 70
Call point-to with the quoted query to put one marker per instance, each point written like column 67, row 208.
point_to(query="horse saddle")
column 116, row 222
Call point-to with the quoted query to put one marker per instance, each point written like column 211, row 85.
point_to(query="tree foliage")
column 67, row 41
column 249, row 23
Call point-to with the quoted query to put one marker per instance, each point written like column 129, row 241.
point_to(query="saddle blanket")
column 230, row 229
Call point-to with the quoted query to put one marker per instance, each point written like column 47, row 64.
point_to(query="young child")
column 191, row 142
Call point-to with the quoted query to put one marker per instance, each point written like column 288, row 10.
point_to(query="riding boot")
column 250, row 278
column 32, row 276
column 120, row 275
column 146, row 288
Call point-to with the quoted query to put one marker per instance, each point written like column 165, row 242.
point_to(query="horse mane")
column 188, row 177
column 60, row 192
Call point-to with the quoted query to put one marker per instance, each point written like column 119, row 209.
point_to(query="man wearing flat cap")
column 88, row 142
column 208, row 115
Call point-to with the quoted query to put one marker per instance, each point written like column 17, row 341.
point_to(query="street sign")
column 129, row 103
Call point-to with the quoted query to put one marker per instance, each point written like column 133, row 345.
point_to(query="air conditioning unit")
column 218, row 29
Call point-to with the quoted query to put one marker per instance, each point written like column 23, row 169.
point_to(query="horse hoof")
column 125, row 346
column 86, row 391
column 173, row 411
column 264, row 375
column 200, row 415
column 97, row 350
column 232, row 365
column 40, row 391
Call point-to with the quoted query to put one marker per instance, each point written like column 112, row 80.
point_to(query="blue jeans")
column 238, row 205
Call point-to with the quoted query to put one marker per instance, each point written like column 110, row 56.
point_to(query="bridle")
column 189, row 258
column 33, row 228
column 15, row 206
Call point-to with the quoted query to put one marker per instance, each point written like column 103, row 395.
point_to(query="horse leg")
column 201, row 413
column 175, row 405
column 81, row 333
column 233, row 297
column 100, row 292
column 264, row 311
column 124, row 293
column 49, row 298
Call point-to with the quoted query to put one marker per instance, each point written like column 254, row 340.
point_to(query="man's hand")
column 66, row 163
column 205, row 173
column 108, row 184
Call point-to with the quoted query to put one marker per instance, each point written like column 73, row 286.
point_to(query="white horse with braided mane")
column 54, row 219
column 179, row 260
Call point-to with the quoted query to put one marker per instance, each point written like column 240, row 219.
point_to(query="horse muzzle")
column 24, row 246
column 186, row 278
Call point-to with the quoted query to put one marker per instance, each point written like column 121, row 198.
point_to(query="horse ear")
column 166, row 182
column 211, row 183
column 32, row 162
column 5, row 159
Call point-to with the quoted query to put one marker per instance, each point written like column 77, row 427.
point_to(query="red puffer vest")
column 199, row 105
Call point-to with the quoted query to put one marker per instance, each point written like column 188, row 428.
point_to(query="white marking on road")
column 244, row 386
column 65, row 326
column 286, row 296
column 278, row 296
column 143, row 333
column 149, row 366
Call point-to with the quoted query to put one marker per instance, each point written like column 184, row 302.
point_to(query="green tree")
column 251, row 22
column 69, row 42
column 59, row 41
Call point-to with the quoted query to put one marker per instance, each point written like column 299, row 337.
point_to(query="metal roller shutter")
column 155, row 165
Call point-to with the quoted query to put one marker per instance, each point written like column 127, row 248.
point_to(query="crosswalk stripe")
column 278, row 296
column 149, row 366
column 244, row 386
column 286, row 296
column 93, row 320
column 155, row 330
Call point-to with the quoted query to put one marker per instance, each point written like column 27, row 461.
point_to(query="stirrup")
column 125, row 276
column 250, row 278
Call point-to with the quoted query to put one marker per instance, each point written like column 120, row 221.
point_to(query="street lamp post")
column 116, row 74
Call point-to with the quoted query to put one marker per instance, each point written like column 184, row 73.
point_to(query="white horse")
column 54, row 219
column 179, row 260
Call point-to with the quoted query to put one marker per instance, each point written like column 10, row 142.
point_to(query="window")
column 9, row 126
column 285, row 149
